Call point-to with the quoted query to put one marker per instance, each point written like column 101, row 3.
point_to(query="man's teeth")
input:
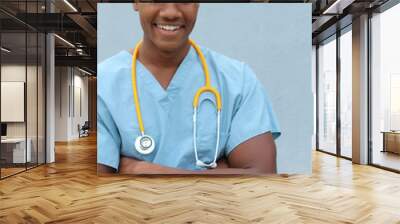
column 168, row 27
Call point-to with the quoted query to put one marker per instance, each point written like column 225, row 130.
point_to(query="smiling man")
column 168, row 71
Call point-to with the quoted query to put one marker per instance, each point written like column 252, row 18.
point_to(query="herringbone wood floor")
column 70, row 192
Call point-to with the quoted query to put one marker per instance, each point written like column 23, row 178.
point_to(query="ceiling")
column 77, row 25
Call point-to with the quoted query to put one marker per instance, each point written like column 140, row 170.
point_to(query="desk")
column 391, row 141
column 15, row 148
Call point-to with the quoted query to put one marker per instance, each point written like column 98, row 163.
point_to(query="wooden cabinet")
column 391, row 142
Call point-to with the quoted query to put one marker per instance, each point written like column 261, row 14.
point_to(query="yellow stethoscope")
column 145, row 144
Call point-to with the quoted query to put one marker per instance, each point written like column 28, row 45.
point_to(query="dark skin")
column 162, row 52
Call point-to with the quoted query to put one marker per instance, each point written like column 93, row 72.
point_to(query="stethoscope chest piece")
column 144, row 144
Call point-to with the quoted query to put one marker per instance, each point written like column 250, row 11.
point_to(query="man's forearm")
column 133, row 166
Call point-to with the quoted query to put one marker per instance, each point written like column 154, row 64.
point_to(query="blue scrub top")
column 167, row 113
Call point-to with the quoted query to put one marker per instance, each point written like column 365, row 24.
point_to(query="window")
column 385, row 89
column 327, row 95
column 23, row 89
column 346, row 92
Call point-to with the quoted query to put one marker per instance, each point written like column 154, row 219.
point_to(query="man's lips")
column 168, row 27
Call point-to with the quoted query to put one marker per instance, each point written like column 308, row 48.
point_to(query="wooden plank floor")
column 70, row 192
column 10, row 171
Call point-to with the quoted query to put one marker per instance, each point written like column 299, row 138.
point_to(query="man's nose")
column 170, row 11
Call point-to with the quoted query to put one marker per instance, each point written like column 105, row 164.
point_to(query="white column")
column 50, row 92
column 360, row 90
column 50, row 110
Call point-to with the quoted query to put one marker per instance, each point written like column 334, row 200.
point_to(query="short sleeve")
column 108, row 138
column 254, row 114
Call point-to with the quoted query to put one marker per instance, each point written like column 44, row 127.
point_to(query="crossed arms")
column 254, row 156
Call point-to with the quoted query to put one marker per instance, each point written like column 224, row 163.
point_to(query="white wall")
column 70, row 83
column 12, row 73
column 61, row 103
column 279, row 51
column 80, row 103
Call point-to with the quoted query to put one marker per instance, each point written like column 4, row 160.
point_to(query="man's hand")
column 222, row 163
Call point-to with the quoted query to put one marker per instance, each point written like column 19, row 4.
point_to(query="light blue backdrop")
column 274, row 39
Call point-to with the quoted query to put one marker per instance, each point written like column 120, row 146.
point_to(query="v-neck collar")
column 176, row 82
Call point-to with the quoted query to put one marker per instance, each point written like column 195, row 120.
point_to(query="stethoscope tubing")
column 206, row 88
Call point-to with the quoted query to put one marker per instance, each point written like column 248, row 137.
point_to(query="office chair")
column 84, row 130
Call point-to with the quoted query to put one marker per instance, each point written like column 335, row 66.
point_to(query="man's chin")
column 171, row 46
